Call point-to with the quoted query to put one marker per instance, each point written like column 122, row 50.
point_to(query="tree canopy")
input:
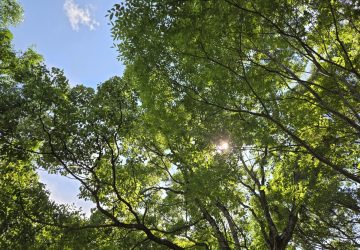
column 235, row 126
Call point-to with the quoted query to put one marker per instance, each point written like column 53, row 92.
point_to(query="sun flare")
column 222, row 146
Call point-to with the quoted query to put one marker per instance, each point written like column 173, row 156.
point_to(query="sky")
column 72, row 35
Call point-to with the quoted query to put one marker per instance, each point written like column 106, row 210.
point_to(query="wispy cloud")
column 80, row 16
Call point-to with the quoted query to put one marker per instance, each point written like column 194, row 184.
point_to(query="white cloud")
column 78, row 15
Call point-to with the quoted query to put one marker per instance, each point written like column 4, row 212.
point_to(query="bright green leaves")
column 278, row 80
column 27, row 215
column 11, row 13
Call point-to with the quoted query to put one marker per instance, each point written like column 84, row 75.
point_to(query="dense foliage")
column 235, row 126
column 28, row 218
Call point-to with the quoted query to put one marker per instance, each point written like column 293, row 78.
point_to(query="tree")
column 271, row 63
column 279, row 80
column 10, row 13
column 235, row 126
column 28, row 218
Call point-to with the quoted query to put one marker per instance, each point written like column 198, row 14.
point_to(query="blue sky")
column 72, row 35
